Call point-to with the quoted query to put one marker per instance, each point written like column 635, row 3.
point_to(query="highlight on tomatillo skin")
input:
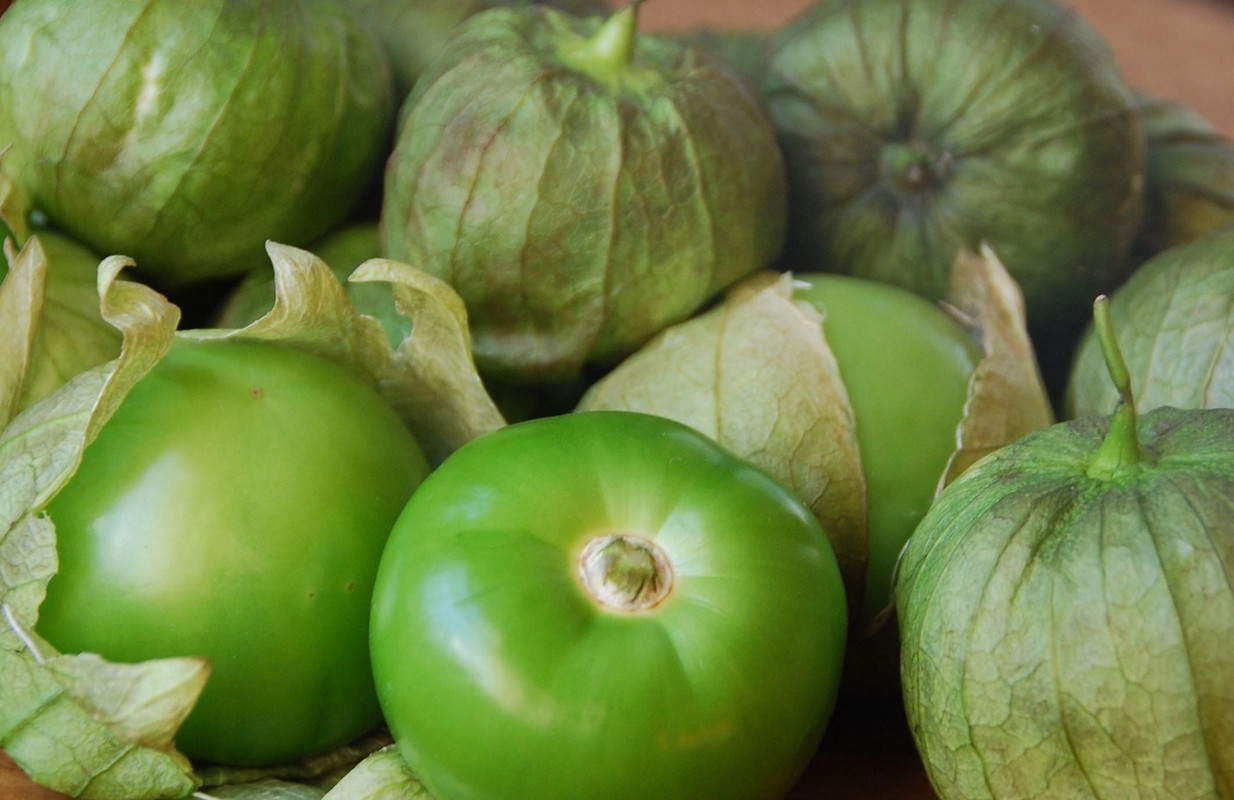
column 606, row 605
column 235, row 507
column 186, row 135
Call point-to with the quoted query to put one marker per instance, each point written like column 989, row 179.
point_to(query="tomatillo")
column 606, row 604
column 235, row 507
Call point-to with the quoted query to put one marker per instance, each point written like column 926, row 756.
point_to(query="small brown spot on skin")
column 256, row 392
column 351, row 587
column 312, row 595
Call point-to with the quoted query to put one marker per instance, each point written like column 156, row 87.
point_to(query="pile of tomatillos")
column 490, row 400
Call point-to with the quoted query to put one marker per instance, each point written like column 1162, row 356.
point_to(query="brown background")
column 1180, row 49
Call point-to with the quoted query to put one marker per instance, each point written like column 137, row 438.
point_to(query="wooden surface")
column 1181, row 49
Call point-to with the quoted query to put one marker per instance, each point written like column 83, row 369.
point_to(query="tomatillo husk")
column 187, row 135
column 1066, row 612
column 1174, row 318
column 581, row 186
column 912, row 130
column 1189, row 182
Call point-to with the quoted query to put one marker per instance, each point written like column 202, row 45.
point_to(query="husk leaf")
column 755, row 374
column 1007, row 397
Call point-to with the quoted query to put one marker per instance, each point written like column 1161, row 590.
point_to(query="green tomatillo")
column 222, row 495
column 186, row 135
column 1174, row 318
column 853, row 392
column 235, row 507
column 1066, row 611
column 580, row 185
column 906, row 366
column 1189, row 179
column 606, row 605
column 913, row 129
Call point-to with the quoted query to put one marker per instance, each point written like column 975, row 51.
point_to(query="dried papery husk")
column 755, row 374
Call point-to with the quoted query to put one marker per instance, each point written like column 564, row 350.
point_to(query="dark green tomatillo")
column 913, row 129
column 1189, row 183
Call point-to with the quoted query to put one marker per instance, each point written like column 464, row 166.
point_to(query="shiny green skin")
column 1070, row 636
column 236, row 507
column 579, row 215
column 913, row 128
column 501, row 677
column 186, row 135
column 1174, row 321
column 906, row 365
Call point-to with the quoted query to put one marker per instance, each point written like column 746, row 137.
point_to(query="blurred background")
column 1179, row 49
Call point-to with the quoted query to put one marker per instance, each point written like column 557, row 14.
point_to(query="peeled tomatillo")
column 1066, row 610
column 235, row 507
column 848, row 389
column 606, row 605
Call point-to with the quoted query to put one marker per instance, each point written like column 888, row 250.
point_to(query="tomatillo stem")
column 607, row 53
column 614, row 42
column 625, row 572
column 911, row 167
column 1121, row 447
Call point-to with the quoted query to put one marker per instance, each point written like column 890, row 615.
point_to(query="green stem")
column 1121, row 449
column 614, row 42
column 606, row 55
column 911, row 167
